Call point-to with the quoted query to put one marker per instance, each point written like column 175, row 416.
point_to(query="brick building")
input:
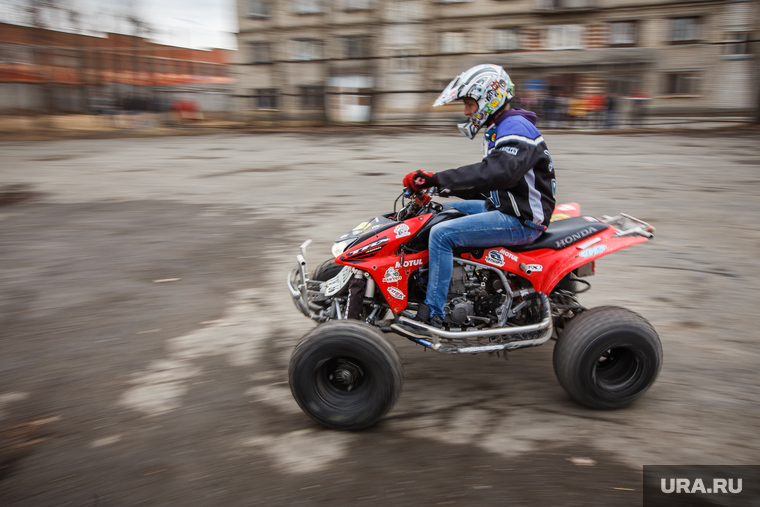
column 49, row 70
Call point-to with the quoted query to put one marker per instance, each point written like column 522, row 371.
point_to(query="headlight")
column 339, row 247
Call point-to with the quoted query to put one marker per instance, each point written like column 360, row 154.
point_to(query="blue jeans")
column 480, row 228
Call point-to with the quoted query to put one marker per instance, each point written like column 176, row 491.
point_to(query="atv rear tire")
column 607, row 357
column 345, row 375
column 326, row 271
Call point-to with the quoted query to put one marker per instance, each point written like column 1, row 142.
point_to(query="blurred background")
column 577, row 63
column 145, row 327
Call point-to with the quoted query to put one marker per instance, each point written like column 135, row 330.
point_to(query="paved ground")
column 146, row 327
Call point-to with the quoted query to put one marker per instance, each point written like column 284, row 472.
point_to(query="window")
column 404, row 11
column 306, row 49
column 683, row 30
column 506, row 39
column 16, row 53
column 261, row 52
column 356, row 46
column 308, row 6
column 559, row 5
column 681, row 83
column 737, row 44
column 624, row 84
column 403, row 61
column 564, row 37
column 356, row 5
column 623, row 33
column 312, row 96
column 453, row 42
column 258, row 8
column 266, row 98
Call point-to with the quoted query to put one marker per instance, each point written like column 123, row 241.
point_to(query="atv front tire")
column 607, row 357
column 345, row 375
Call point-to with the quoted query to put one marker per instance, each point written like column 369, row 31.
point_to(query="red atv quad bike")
column 346, row 374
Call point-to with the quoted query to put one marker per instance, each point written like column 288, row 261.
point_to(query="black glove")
column 419, row 180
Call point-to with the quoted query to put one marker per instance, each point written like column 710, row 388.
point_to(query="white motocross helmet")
column 489, row 85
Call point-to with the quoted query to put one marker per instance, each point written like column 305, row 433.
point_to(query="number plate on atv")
column 336, row 283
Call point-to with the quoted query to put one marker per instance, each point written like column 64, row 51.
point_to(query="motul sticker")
column 401, row 231
column 508, row 255
column 410, row 263
column 391, row 275
column 396, row 293
column 590, row 252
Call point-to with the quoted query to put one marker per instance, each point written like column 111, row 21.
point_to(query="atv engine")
column 473, row 295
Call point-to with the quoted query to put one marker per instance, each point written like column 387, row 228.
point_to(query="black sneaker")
column 436, row 321
column 423, row 313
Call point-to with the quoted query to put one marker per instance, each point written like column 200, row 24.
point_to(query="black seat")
column 563, row 233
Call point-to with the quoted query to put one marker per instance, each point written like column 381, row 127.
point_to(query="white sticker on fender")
column 534, row 268
column 391, row 275
column 396, row 293
column 495, row 258
column 590, row 252
column 401, row 231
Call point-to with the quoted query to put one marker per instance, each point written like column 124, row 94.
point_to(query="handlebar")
column 418, row 200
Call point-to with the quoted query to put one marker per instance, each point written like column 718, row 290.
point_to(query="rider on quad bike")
column 509, row 195
column 497, row 272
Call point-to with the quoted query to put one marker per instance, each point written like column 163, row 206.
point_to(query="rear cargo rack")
column 629, row 226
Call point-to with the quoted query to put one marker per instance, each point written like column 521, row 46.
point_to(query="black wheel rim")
column 340, row 379
column 618, row 369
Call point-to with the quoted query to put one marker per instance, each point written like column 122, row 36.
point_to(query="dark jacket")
column 516, row 175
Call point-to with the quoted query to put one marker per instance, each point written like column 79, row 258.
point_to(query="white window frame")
column 258, row 8
column 356, row 5
column 678, row 29
column 272, row 94
column 693, row 77
column 366, row 49
column 307, row 50
column 308, row 6
column 506, row 39
column 313, row 91
column 627, row 37
column 404, row 11
column 568, row 36
column 737, row 44
column 452, row 42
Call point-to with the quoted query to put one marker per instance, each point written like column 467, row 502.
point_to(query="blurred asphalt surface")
column 146, row 326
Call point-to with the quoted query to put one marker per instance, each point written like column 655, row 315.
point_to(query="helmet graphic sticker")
column 488, row 85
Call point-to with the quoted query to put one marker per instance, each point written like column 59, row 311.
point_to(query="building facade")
column 53, row 71
column 386, row 61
